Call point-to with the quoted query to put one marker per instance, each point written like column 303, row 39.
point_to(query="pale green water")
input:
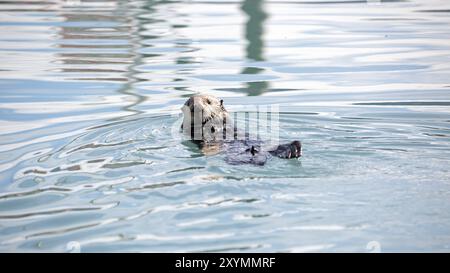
column 89, row 95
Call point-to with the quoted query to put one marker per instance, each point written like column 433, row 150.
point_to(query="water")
column 90, row 92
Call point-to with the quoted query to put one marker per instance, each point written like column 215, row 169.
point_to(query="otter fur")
column 209, row 125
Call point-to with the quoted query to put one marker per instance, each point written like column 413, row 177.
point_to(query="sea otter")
column 209, row 125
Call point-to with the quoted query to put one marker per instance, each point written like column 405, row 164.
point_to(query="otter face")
column 204, row 116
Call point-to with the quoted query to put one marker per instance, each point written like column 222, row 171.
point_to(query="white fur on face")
column 203, row 117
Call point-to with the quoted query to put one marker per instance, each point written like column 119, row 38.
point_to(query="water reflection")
column 254, row 31
column 145, row 36
column 137, row 22
column 98, row 51
column 113, row 46
column 102, row 47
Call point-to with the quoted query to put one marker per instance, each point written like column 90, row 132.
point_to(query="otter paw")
column 291, row 150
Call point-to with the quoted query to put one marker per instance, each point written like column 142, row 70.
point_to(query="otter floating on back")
column 209, row 125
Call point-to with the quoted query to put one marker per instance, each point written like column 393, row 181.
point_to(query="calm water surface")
column 90, row 92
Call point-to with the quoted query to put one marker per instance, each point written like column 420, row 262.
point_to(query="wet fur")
column 209, row 125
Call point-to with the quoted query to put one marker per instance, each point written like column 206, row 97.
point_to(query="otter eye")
column 208, row 101
column 221, row 102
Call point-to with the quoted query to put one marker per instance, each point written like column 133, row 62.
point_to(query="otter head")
column 204, row 118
